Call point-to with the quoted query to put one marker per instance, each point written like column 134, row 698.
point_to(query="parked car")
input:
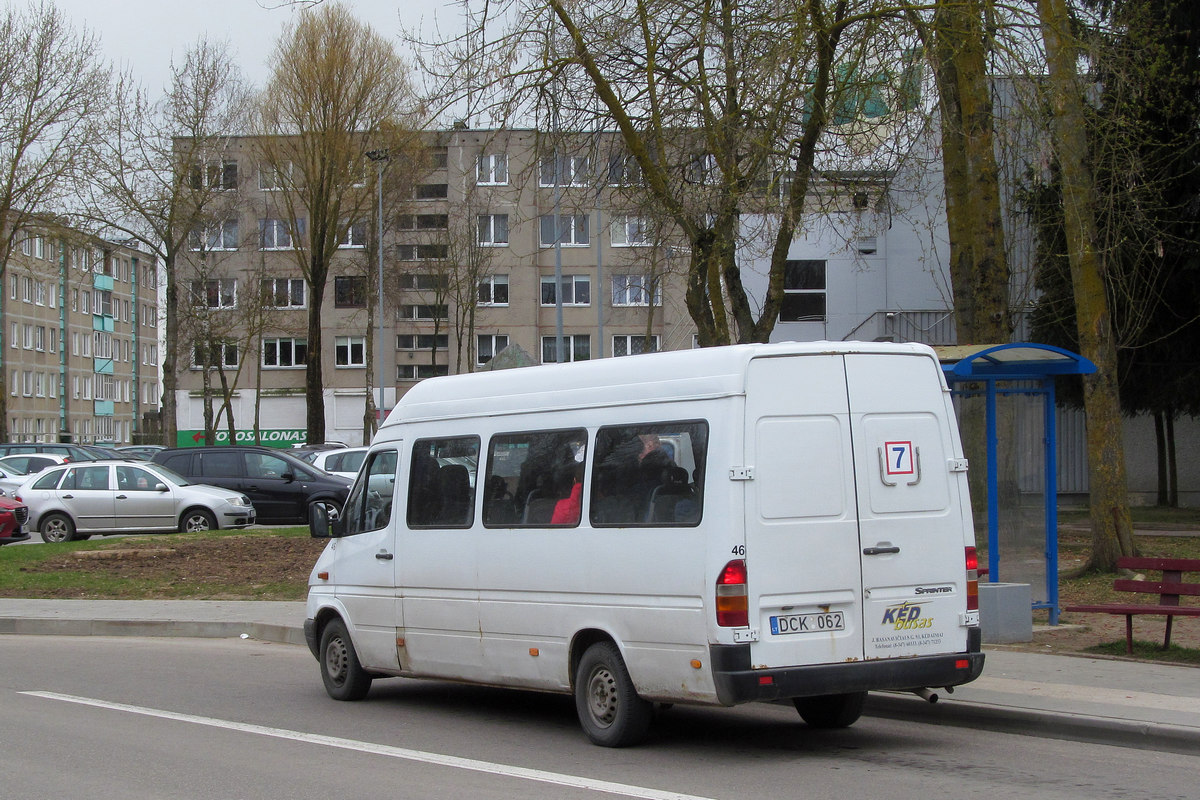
column 281, row 486
column 344, row 462
column 75, row 501
column 72, row 452
column 308, row 452
column 142, row 451
column 31, row 463
column 10, row 481
column 13, row 516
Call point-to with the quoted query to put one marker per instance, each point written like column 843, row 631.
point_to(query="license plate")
column 808, row 623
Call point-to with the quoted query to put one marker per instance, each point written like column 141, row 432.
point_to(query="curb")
column 1115, row 731
column 281, row 634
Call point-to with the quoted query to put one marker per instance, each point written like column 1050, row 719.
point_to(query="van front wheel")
column 610, row 711
column 344, row 677
column 831, row 710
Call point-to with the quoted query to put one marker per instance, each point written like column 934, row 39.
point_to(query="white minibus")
column 712, row 526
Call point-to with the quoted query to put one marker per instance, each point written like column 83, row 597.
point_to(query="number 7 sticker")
column 899, row 458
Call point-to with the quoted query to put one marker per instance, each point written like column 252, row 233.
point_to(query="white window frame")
column 491, row 169
column 356, row 236
column 573, row 229
column 628, row 230
column 633, row 291
column 574, row 281
column 631, row 344
column 495, row 343
column 275, row 234
column 344, row 352
column 226, row 293
column 288, row 285
column 490, row 283
column 217, row 236
column 569, row 342
column 292, row 341
column 572, row 171
column 493, row 230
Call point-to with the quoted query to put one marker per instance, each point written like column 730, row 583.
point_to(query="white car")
column 75, row 501
column 344, row 462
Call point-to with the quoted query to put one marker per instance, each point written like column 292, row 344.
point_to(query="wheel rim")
column 197, row 522
column 337, row 660
column 56, row 530
column 602, row 696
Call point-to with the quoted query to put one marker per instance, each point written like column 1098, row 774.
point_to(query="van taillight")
column 732, row 602
column 972, row 579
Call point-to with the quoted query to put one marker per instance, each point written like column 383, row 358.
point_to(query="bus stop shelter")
column 1010, row 389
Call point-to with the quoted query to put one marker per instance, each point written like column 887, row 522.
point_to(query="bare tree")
column 338, row 90
column 51, row 85
column 159, row 174
column 712, row 100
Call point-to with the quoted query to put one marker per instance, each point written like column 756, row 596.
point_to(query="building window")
column 220, row 354
column 422, row 252
column 275, row 234
column 356, row 236
column 271, row 177
column 419, row 372
column 572, row 229
column 633, row 344
column 431, row 191
column 424, row 222
column 629, row 231
column 215, row 175
column 493, row 230
column 350, row 291
column 577, row 348
column 423, row 282
column 440, row 159
column 422, row 312
column 215, row 293
column 283, row 292
column 350, row 351
column 493, row 291
column 635, row 290
column 488, row 345
column 39, row 337
column 803, row 291
column 571, row 171
column 27, row 341
column 218, row 236
column 422, row 341
column 492, row 169
column 285, row 352
column 623, row 170
column 576, row 290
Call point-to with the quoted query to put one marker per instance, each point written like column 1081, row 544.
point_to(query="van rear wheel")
column 610, row 711
column 343, row 676
column 831, row 710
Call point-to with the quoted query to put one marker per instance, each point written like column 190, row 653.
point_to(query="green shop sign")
column 271, row 437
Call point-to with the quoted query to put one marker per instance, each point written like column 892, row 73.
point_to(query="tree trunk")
column 1160, row 453
column 170, row 381
column 314, row 379
column 1112, row 530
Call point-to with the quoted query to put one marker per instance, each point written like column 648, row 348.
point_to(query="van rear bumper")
column 737, row 683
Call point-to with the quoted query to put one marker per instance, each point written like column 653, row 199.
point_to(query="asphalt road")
column 133, row 718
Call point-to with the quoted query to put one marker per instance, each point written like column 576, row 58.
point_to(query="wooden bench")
column 1169, row 590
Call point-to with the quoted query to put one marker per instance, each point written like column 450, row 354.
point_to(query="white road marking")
column 438, row 759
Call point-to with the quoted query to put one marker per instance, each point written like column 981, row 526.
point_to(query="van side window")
column 369, row 506
column 441, row 485
column 535, row 478
column 649, row 474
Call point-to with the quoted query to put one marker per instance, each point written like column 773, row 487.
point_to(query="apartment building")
column 81, row 349
column 470, row 260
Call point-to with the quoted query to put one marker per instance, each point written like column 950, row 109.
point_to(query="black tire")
column 831, row 710
column 197, row 519
column 343, row 676
column 610, row 711
column 57, row 528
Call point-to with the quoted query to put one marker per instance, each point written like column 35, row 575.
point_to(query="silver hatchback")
column 79, row 500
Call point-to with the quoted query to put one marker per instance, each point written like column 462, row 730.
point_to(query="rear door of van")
column 850, row 556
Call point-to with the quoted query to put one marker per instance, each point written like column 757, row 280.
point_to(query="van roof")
column 653, row 377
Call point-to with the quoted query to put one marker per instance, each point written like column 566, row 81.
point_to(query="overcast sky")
column 144, row 35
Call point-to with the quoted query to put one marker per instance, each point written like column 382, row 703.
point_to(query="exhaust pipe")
column 926, row 694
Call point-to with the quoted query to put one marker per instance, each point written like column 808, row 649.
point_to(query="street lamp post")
column 380, row 157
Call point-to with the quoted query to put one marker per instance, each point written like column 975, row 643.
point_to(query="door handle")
column 122, row 497
column 879, row 551
column 68, row 497
column 384, row 556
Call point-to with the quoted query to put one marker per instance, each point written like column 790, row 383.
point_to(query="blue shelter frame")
column 1023, row 368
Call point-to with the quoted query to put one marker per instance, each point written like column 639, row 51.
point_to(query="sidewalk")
column 1110, row 701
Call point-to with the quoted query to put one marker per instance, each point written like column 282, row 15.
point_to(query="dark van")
column 280, row 486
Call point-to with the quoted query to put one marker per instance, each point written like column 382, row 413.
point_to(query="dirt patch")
column 252, row 567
